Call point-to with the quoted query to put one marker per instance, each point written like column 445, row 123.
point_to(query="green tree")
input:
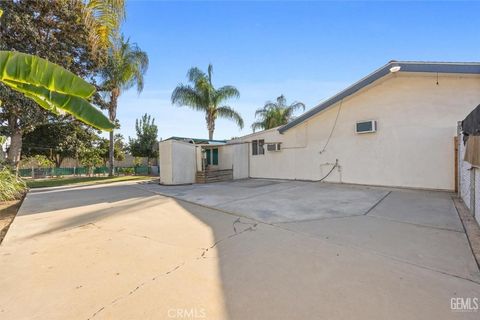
column 118, row 150
column 37, row 161
column 146, row 142
column 274, row 114
column 58, row 140
column 53, row 30
column 201, row 95
column 125, row 68
column 90, row 158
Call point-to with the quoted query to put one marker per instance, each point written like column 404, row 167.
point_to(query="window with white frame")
column 257, row 147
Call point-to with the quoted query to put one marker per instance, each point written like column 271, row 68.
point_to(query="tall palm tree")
column 125, row 68
column 203, row 96
column 274, row 114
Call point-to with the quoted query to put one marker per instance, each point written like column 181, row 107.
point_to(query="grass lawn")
column 56, row 182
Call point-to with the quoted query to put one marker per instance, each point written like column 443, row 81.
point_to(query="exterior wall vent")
column 366, row 126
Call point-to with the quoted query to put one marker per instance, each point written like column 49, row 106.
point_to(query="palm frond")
column 126, row 66
column 184, row 95
column 261, row 112
column 210, row 73
column 224, row 93
column 270, row 105
column 228, row 113
column 103, row 18
column 281, row 101
column 296, row 105
column 258, row 125
column 195, row 74
column 274, row 114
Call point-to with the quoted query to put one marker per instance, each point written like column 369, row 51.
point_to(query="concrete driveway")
column 251, row 249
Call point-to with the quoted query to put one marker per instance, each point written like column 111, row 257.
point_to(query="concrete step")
column 209, row 176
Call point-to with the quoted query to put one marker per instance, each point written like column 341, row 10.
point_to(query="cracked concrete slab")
column 435, row 209
column 127, row 252
column 437, row 249
column 260, row 199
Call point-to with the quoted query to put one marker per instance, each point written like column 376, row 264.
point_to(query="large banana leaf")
column 51, row 86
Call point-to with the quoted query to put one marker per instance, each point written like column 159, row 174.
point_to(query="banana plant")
column 51, row 86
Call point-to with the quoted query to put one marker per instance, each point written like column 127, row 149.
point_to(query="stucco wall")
column 413, row 146
column 165, row 162
column 183, row 161
column 177, row 162
column 225, row 157
column 240, row 160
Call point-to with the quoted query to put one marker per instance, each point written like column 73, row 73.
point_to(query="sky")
column 307, row 51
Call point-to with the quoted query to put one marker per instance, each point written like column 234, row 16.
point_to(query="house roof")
column 197, row 140
column 405, row 66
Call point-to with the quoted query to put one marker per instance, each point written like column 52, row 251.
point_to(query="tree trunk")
column 58, row 161
column 111, row 155
column 15, row 149
column 112, row 111
column 210, row 126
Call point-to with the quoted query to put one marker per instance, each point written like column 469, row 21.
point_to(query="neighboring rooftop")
column 391, row 67
column 197, row 140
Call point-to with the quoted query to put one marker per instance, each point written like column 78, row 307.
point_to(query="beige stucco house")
column 395, row 127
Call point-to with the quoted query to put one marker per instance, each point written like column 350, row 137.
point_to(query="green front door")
column 209, row 156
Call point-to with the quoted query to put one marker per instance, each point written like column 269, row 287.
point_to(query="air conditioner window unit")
column 273, row 146
column 366, row 126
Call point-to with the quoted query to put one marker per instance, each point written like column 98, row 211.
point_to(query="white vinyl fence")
column 469, row 181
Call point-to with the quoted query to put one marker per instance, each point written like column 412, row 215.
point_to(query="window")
column 257, row 147
column 212, row 156
column 261, row 150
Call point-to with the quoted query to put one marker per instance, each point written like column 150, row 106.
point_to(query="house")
column 395, row 128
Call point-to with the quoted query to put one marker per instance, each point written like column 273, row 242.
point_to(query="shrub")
column 11, row 186
column 37, row 161
column 126, row 171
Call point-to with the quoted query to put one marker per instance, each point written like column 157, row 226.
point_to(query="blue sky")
column 307, row 51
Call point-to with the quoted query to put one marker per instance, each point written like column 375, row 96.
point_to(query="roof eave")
column 405, row 66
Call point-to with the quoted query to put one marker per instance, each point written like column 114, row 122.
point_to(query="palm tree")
column 125, row 68
column 103, row 18
column 274, row 114
column 203, row 96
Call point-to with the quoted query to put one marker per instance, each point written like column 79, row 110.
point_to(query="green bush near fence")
column 11, row 187
column 79, row 171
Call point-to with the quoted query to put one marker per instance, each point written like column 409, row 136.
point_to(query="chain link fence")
column 81, row 171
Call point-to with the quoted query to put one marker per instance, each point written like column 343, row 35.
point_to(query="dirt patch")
column 8, row 211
